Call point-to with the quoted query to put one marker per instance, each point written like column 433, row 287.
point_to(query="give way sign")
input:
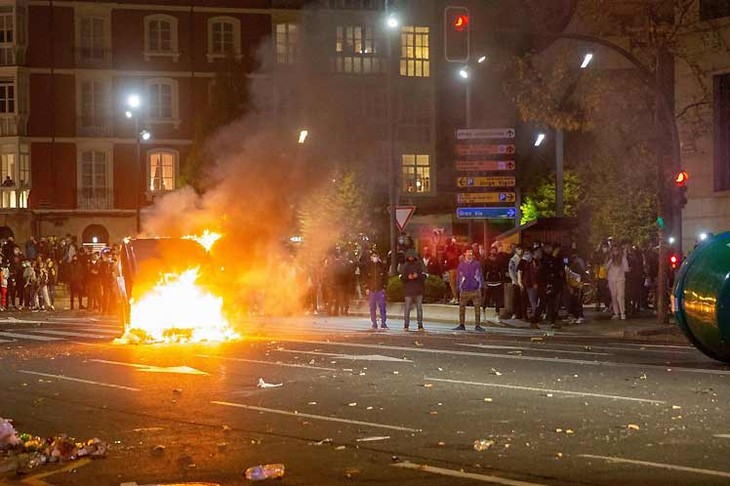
column 403, row 215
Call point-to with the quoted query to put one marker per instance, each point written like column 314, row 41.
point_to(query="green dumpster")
column 701, row 297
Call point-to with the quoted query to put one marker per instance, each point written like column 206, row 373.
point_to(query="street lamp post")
column 134, row 103
column 392, row 24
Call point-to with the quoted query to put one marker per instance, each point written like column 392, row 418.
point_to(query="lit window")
column 162, row 170
column 7, row 36
column 287, row 38
column 356, row 50
column 416, row 173
column 162, row 100
column 224, row 37
column 161, row 36
column 414, row 57
column 15, row 175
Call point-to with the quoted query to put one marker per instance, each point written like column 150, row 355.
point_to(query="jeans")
column 476, row 297
column 377, row 299
column 418, row 299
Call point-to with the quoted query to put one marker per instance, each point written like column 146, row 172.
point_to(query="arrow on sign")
column 182, row 370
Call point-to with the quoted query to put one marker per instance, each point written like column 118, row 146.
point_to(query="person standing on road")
column 451, row 262
column 413, row 275
column 518, row 307
column 470, row 282
column 76, row 274
column 375, row 280
column 616, row 268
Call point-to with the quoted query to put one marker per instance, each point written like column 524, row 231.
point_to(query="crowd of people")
column 31, row 273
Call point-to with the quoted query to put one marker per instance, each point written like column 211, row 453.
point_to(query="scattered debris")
column 350, row 473
column 373, row 439
column 264, row 471
column 558, row 455
column 158, row 449
column 483, row 444
column 226, row 428
column 676, row 407
column 312, row 403
column 263, row 384
column 487, row 399
column 340, row 448
column 352, row 404
column 441, row 444
column 495, row 372
column 428, row 385
column 633, row 427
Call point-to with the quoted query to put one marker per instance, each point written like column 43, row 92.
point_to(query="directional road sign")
column 499, row 181
column 485, row 165
column 485, row 197
column 484, row 133
column 464, row 149
column 486, row 213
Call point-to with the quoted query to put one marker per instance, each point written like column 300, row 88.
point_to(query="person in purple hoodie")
column 469, row 281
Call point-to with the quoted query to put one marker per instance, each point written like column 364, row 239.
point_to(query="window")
column 7, row 36
column 162, row 170
column 714, row 9
column 357, row 50
column 224, row 37
column 722, row 132
column 416, row 173
column 287, row 38
column 414, row 115
column 162, row 100
column 7, row 96
column 357, row 4
column 15, row 169
column 94, row 184
column 414, row 60
column 92, row 40
column 95, row 102
column 161, row 36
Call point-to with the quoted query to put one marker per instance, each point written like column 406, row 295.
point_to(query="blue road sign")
column 486, row 213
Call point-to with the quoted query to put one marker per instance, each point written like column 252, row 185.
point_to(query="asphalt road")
column 367, row 407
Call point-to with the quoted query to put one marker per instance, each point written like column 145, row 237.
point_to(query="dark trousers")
column 518, row 307
column 376, row 299
column 75, row 292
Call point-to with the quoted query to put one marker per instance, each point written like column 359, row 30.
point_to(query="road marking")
column 673, row 467
column 722, row 436
column 35, row 480
column 316, row 417
column 353, row 357
column 79, row 380
column 267, row 362
column 183, row 370
column 461, row 474
column 7, row 340
column 30, row 336
column 541, row 350
column 381, row 347
column 545, row 390
column 68, row 333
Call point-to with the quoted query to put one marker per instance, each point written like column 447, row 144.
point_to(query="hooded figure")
column 413, row 276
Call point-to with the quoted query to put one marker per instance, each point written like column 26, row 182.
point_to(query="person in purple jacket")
column 469, row 281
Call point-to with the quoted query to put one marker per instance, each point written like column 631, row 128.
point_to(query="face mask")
column 528, row 257
column 374, row 259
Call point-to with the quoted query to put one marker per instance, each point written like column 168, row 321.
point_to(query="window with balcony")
column 7, row 36
column 93, row 41
column 162, row 100
column 414, row 52
column 714, row 9
column 224, row 37
column 287, row 40
column 416, row 173
column 95, row 106
column 161, row 37
column 15, row 175
column 94, row 184
column 357, row 51
column 162, row 168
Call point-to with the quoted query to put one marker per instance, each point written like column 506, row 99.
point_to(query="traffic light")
column 457, row 29
column 680, row 184
column 673, row 261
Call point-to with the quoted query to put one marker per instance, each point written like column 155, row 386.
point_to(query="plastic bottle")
column 265, row 471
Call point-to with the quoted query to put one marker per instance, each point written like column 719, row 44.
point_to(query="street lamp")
column 540, row 138
column 586, row 60
column 392, row 24
column 134, row 104
column 303, row 136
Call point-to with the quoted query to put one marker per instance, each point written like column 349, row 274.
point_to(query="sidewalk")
column 597, row 324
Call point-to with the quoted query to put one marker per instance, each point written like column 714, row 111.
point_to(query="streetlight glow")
column 482, row 59
column 586, row 60
column 303, row 135
column 464, row 73
column 145, row 135
column 671, row 240
column 703, row 236
column 134, row 101
column 392, row 21
column 539, row 139
column 128, row 114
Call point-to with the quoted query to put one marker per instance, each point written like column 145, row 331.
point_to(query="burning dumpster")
column 701, row 297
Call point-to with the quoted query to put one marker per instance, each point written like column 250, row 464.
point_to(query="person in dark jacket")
column 76, row 274
column 413, row 275
column 469, row 282
column 375, row 280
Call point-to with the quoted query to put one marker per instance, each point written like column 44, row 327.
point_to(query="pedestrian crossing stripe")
column 29, row 336
column 73, row 334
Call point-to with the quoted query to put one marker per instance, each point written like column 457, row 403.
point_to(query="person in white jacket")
column 616, row 267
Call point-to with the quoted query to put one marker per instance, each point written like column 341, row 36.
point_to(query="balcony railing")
column 14, row 197
column 93, row 56
column 94, row 126
column 12, row 55
column 12, row 125
column 92, row 198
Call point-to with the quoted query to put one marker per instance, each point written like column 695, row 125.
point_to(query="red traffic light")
column 681, row 178
column 674, row 260
column 460, row 22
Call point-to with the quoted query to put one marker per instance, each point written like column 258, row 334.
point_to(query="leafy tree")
column 540, row 203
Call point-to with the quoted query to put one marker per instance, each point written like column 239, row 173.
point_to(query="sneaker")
column 514, row 316
column 607, row 310
column 421, row 329
column 479, row 329
column 580, row 320
column 614, row 317
column 623, row 317
column 405, row 328
column 459, row 328
column 383, row 326
column 374, row 326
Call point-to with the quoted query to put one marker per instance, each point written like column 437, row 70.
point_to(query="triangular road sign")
column 403, row 215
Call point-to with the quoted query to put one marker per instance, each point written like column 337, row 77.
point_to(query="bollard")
column 701, row 297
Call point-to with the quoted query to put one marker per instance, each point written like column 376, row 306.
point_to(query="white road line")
column 461, row 474
column 352, row 357
column 266, row 362
column 673, row 467
column 316, row 417
column 545, row 390
column 30, row 337
column 79, row 380
column 540, row 350
column 503, row 356
column 7, row 340
column 722, row 436
column 67, row 333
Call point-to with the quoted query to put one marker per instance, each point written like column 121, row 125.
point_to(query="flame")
column 207, row 239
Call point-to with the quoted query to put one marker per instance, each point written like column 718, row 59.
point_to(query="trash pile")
column 24, row 451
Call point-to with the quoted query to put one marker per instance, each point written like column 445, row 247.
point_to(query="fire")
column 177, row 307
column 206, row 240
